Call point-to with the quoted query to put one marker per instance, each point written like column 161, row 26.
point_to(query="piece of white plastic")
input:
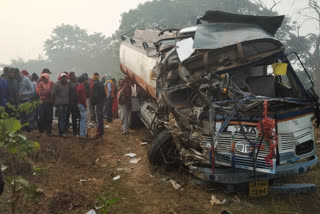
column 116, row 178
column 91, row 212
column 185, row 49
column 135, row 160
column 175, row 185
column 131, row 155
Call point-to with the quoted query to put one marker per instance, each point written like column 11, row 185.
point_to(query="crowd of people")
column 87, row 101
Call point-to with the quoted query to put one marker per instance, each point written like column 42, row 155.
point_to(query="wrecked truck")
column 223, row 99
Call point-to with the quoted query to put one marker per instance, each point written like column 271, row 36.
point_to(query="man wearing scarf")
column 97, row 100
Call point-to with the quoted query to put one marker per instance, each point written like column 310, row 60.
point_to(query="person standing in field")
column 109, row 89
column 97, row 99
column 124, row 101
column 45, row 87
column 13, row 87
column 3, row 92
column 26, row 89
column 1, row 182
column 88, row 102
column 26, row 94
column 34, row 80
column 115, row 100
column 82, row 106
column 72, row 107
column 60, row 94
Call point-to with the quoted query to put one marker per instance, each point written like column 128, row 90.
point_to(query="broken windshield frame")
column 288, row 86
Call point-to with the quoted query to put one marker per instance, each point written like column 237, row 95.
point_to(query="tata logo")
column 243, row 147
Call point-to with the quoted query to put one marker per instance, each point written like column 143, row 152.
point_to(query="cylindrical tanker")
column 138, row 57
column 138, row 66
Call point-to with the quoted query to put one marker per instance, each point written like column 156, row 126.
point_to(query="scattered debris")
column 103, row 165
column 131, row 155
column 3, row 168
column 236, row 199
column 116, row 178
column 91, row 212
column 39, row 190
column 166, row 179
column 107, row 126
column 175, row 185
column 143, row 143
column 86, row 180
column 121, row 169
column 135, row 160
column 215, row 201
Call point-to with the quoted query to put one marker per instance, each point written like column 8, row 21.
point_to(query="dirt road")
column 75, row 172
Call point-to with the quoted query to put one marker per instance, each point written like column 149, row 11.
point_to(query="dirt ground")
column 75, row 172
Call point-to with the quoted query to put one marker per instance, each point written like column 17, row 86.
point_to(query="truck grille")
column 243, row 161
column 288, row 141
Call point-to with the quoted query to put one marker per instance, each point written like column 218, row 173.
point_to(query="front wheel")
column 162, row 149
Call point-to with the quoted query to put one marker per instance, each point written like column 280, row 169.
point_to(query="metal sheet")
column 269, row 23
column 214, row 36
column 185, row 48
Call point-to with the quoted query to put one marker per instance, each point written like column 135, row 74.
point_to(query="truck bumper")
column 238, row 176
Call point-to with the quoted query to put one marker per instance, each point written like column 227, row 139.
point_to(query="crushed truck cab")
column 223, row 99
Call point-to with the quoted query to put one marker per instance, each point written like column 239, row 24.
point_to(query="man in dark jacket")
column 72, row 107
column 60, row 94
column 97, row 100
column 3, row 92
column 13, row 87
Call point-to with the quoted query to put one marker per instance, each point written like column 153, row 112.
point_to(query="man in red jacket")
column 46, row 108
column 81, row 94
column 124, row 101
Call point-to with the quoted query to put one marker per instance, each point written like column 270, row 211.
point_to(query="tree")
column 71, row 48
column 163, row 14
column 33, row 65
column 310, row 44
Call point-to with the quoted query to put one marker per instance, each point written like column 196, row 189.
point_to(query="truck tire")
column 160, row 147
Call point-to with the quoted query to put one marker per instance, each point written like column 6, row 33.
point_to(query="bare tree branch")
column 274, row 4
column 264, row 6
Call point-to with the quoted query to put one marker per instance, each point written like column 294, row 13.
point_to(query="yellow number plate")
column 258, row 188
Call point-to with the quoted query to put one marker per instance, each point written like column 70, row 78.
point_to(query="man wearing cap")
column 60, row 94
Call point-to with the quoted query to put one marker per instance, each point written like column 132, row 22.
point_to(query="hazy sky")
column 26, row 24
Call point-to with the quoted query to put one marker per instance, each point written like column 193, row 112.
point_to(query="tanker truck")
column 223, row 98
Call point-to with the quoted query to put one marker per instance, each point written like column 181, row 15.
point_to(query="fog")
column 27, row 25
